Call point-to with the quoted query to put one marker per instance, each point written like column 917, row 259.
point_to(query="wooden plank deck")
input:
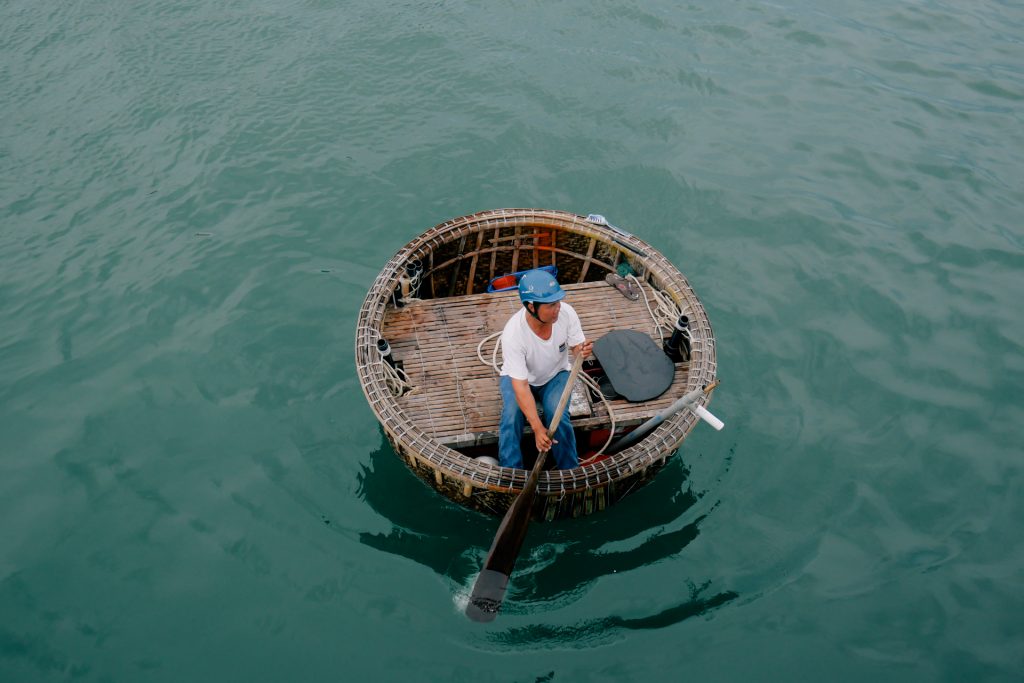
column 456, row 399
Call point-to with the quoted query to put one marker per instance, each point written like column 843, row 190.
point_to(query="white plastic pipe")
column 705, row 415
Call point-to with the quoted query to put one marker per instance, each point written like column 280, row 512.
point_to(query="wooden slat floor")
column 456, row 399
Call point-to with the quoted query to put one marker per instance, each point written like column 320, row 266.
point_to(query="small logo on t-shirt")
column 561, row 348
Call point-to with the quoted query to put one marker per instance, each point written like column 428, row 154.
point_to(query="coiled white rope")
column 595, row 389
column 493, row 363
column 665, row 312
column 396, row 380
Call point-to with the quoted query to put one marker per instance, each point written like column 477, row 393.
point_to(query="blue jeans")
column 512, row 422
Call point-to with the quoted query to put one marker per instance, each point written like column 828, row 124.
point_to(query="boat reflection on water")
column 426, row 528
column 559, row 562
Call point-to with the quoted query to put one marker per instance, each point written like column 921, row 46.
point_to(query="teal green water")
column 194, row 197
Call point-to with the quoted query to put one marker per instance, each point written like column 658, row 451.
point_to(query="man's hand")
column 542, row 440
column 586, row 348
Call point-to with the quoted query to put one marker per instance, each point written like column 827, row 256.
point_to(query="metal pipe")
column 687, row 401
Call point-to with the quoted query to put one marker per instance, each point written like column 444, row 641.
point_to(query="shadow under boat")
column 558, row 562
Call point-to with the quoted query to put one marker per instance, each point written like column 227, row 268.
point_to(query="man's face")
column 548, row 313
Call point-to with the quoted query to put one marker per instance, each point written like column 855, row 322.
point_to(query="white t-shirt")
column 527, row 356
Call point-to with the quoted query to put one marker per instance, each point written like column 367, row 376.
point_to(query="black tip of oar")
column 488, row 594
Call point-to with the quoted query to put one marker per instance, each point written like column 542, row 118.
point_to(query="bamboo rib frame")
column 502, row 241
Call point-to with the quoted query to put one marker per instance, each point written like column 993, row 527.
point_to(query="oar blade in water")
column 489, row 589
column 488, row 594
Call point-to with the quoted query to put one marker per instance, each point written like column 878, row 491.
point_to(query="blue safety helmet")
column 539, row 286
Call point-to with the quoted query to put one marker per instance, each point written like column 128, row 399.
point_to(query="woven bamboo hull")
column 546, row 507
column 460, row 257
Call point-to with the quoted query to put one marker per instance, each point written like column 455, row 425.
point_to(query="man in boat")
column 535, row 347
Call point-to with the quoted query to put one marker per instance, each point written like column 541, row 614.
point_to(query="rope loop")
column 665, row 313
column 396, row 380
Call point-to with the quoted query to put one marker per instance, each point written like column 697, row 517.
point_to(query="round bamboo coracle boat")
column 426, row 356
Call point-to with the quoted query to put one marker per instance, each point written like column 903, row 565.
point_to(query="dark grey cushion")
column 636, row 367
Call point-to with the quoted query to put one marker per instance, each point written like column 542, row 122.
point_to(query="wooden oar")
column 489, row 589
